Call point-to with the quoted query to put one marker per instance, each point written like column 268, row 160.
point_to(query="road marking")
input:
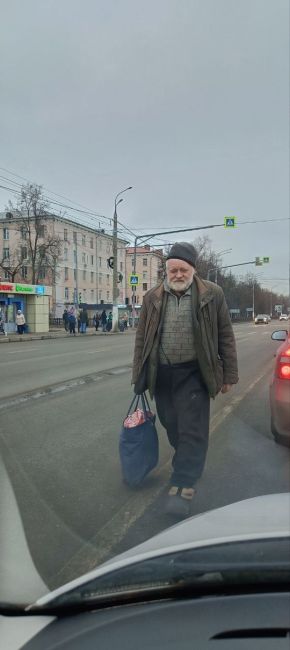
column 21, row 350
column 96, row 551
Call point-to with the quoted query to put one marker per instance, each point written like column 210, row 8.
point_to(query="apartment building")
column 149, row 265
column 82, row 273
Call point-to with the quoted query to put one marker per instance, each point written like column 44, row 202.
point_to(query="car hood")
column 261, row 517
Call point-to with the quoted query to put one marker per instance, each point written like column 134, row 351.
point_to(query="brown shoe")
column 179, row 502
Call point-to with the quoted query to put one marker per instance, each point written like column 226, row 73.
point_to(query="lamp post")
column 115, row 256
column 229, row 250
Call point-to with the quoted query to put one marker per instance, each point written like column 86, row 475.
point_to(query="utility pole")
column 115, row 266
column 254, row 280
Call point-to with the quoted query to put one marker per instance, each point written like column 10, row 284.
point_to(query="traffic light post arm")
column 140, row 238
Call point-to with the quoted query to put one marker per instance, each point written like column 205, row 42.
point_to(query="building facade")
column 149, row 268
column 81, row 274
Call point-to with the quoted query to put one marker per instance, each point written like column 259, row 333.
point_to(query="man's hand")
column 226, row 388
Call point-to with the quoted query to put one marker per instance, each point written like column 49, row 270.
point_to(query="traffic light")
column 80, row 298
column 258, row 261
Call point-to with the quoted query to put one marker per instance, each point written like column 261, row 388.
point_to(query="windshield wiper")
column 225, row 580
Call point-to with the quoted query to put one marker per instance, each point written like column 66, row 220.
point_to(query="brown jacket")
column 216, row 351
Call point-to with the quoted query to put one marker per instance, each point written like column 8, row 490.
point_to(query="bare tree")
column 44, row 248
column 11, row 265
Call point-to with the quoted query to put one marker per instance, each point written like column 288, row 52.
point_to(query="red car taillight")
column 283, row 365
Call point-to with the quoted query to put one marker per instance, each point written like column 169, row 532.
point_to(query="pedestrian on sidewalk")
column 110, row 322
column 84, row 320
column 185, row 353
column 20, row 321
column 104, row 320
column 72, row 323
column 65, row 320
column 96, row 321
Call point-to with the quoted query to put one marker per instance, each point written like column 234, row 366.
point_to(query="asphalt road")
column 59, row 442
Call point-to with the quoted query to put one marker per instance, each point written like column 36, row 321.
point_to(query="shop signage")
column 6, row 287
column 35, row 289
column 24, row 288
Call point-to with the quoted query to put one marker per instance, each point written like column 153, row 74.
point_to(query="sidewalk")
column 57, row 334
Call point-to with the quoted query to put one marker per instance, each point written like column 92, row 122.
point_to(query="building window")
column 121, row 266
column 75, row 237
column 6, row 275
column 66, row 273
column 42, row 274
column 92, row 260
column 6, row 254
column 23, row 232
column 100, row 278
column 100, row 261
column 83, row 258
column 66, row 293
column 75, row 296
column 75, row 257
column 75, row 274
column 65, row 254
column 65, row 234
column 100, row 295
column 5, row 233
column 41, row 230
column 24, row 272
column 108, row 296
column 84, row 275
column 91, row 243
column 92, row 296
column 144, row 275
column 23, row 252
column 92, row 276
column 145, row 261
column 144, row 286
column 83, row 240
column 108, row 279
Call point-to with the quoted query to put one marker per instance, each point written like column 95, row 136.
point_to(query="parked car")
column 280, row 389
column 262, row 319
column 283, row 317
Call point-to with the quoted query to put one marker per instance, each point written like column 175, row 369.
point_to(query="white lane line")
column 17, row 351
column 96, row 551
column 69, row 353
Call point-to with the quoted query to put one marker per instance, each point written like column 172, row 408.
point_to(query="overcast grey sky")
column 186, row 100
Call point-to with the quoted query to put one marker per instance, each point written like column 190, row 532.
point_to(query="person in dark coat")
column 185, row 353
column 84, row 320
column 104, row 320
column 96, row 321
column 65, row 320
column 72, row 323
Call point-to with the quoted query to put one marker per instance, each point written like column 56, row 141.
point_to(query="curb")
column 16, row 338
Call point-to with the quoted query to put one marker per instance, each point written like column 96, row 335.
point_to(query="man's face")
column 179, row 275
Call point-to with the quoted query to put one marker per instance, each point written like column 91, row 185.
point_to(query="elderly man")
column 185, row 353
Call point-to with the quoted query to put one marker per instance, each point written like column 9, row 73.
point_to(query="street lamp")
column 228, row 250
column 115, row 256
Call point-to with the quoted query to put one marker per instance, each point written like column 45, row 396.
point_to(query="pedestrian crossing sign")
column 230, row 222
column 134, row 280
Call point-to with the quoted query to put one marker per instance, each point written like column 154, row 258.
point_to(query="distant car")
column 280, row 389
column 283, row 317
column 262, row 319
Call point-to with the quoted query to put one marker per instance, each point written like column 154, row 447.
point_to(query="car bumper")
column 280, row 405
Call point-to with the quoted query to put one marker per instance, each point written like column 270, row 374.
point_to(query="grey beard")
column 176, row 287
